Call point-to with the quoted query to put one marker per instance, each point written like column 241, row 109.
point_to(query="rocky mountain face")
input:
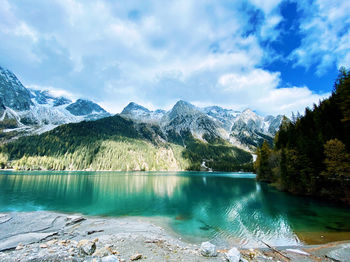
column 141, row 114
column 12, row 93
column 185, row 117
column 26, row 111
column 244, row 129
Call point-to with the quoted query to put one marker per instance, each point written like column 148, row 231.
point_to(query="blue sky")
column 270, row 55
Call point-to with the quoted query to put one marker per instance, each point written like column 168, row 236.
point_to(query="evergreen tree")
column 337, row 160
column 264, row 170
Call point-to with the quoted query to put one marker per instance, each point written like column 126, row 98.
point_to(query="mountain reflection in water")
column 231, row 208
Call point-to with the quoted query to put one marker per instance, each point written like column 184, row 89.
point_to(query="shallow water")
column 223, row 207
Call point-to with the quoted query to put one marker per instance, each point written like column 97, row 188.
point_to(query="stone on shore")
column 104, row 251
column 71, row 220
column 208, row 249
column 25, row 239
column 87, row 247
column 136, row 257
column 4, row 218
column 342, row 253
column 111, row 258
column 233, row 255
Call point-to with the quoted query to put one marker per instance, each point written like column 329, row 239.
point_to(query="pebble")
column 136, row 257
column 111, row 258
column 101, row 252
column 51, row 242
column 19, row 246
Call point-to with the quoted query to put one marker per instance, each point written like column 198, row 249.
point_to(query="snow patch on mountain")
column 139, row 113
column 244, row 129
column 31, row 111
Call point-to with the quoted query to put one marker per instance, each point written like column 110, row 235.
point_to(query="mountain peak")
column 13, row 93
column 183, row 103
column 248, row 111
column 84, row 107
column 132, row 106
column 182, row 108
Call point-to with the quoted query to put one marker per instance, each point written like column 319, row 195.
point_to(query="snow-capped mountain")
column 26, row 111
column 244, row 129
column 12, row 93
column 185, row 117
column 141, row 114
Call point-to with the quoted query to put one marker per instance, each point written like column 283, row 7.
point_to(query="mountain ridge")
column 245, row 129
column 26, row 111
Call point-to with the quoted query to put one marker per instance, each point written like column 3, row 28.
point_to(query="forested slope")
column 311, row 154
column 116, row 143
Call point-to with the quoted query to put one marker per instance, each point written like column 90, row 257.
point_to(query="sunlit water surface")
column 227, row 208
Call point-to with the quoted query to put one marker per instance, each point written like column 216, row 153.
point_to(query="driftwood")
column 275, row 250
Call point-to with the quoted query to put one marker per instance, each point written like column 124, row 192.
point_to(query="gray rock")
column 208, row 249
column 4, row 218
column 84, row 107
column 233, row 255
column 87, row 247
column 71, row 220
column 25, row 239
column 342, row 253
column 12, row 93
column 111, row 258
column 136, row 257
column 102, row 252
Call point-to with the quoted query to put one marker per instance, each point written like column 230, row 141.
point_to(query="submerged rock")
column 233, row 255
column 208, row 249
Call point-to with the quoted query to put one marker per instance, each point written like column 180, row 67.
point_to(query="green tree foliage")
column 337, row 160
column 263, row 167
column 312, row 151
column 115, row 143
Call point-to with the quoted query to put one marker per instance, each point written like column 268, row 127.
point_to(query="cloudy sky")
column 270, row 55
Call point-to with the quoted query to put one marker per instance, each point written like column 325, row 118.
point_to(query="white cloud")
column 260, row 89
column 24, row 30
column 267, row 6
column 256, row 78
column 326, row 30
column 288, row 100
column 56, row 92
column 151, row 52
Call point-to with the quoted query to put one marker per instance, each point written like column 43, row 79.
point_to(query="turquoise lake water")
column 222, row 207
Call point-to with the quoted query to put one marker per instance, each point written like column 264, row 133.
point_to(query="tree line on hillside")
column 115, row 143
column 310, row 155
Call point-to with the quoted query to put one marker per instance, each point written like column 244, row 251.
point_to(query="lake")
column 227, row 208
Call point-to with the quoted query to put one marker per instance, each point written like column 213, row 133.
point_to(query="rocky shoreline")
column 49, row 236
